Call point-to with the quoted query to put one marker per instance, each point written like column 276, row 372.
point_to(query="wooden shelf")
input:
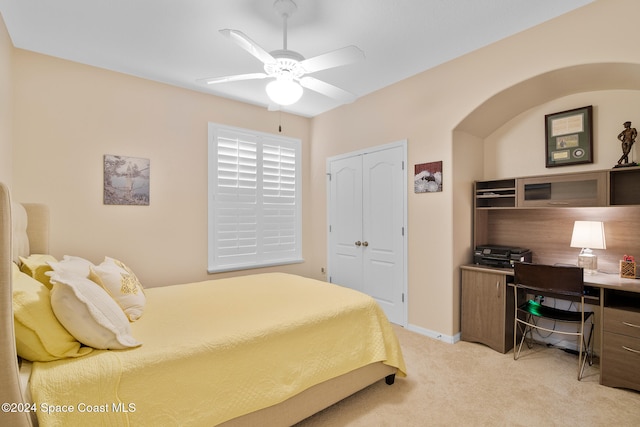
column 495, row 194
column 624, row 186
column 500, row 218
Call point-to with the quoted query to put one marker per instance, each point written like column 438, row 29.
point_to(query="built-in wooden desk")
column 487, row 311
column 599, row 280
column 612, row 281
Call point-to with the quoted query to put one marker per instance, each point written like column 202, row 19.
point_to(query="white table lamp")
column 588, row 235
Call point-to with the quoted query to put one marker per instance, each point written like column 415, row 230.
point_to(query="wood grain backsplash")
column 547, row 232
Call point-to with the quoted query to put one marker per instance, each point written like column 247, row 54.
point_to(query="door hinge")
column 329, row 175
column 329, row 228
column 330, row 279
column 403, row 165
column 403, row 231
column 403, row 297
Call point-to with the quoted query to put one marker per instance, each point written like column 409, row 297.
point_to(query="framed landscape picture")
column 126, row 180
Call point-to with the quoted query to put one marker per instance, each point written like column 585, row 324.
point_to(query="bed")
column 265, row 349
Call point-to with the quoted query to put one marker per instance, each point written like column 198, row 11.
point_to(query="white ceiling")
column 177, row 41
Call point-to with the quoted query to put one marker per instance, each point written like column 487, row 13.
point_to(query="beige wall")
column 68, row 115
column 611, row 109
column 467, row 151
column 6, row 105
column 440, row 113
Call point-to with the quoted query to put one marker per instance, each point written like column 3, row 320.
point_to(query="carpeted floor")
column 467, row 384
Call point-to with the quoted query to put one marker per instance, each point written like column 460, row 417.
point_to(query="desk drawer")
column 622, row 322
column 620, row 361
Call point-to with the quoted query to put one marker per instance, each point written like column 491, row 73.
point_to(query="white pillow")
column 89, row 313
column 122, row 284
column 73, row 265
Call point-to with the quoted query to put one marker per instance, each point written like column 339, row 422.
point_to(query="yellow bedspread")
column 216, row 350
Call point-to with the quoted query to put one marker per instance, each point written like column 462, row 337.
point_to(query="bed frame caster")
column 390, row 379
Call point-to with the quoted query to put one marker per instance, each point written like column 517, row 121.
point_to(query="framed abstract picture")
column 428, row 177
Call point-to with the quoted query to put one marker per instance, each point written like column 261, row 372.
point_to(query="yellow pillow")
column 39, row 335
column 123, row 286
column 36, row 265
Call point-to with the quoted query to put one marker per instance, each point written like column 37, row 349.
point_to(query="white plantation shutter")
column 254, row 199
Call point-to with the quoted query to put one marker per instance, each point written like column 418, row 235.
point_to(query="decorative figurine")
column 628, row 137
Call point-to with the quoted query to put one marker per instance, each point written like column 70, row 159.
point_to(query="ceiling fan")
column 289, row 69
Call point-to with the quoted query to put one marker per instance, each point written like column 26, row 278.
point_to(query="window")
column 254, row 199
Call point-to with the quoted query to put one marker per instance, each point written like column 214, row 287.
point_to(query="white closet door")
column 366, row 218
column 346, row 222
column 383, row 232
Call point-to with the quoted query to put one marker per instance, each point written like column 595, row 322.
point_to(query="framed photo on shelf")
column 569, row 137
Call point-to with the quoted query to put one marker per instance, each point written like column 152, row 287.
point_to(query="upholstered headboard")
column 37, row 231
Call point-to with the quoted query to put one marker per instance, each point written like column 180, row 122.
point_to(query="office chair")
column 560, row 282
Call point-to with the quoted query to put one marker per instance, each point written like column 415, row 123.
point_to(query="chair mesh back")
column 555, row 279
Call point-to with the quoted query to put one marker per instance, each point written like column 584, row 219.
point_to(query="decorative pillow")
column 73, row 265
column 123, row 286
column 36, row 265
column 39, row 335
column 89, row 313
column 19, row 231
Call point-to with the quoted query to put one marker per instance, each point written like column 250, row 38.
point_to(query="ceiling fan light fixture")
column 283, row 91
column 288, row 68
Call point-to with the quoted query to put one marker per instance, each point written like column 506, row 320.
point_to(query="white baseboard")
column 435, row 335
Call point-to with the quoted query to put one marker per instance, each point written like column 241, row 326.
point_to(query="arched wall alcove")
column 470, row 135
column 510, row 102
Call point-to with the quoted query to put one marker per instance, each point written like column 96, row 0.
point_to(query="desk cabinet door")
column 565, row 190
column 487, row 310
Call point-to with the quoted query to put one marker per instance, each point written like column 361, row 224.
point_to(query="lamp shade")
column 284, row 91
column 588, row 234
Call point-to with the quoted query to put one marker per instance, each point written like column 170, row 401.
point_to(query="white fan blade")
column 335, row 58
column 327, row 89
column 237, row 77
column 249, row 45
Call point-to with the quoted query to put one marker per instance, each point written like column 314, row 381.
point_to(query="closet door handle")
column 365, row 244
column 358, row 243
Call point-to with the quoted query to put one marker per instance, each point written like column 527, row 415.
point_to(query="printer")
column 500, row 256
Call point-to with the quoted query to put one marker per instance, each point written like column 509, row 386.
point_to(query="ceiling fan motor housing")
column 287, row 64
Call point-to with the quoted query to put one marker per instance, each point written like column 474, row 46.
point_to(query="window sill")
column 212, row 270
